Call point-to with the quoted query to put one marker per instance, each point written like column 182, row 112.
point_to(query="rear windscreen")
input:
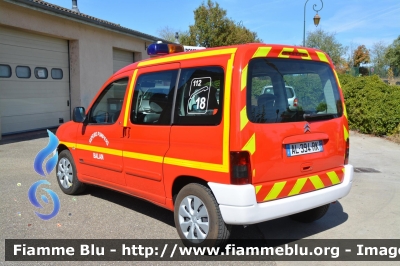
column 285, row 90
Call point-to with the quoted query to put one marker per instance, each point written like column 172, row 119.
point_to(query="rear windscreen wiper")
column 313, row 117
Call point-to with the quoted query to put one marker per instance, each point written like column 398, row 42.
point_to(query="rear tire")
column 311, row 215
column 67, row 177
column 198, row 219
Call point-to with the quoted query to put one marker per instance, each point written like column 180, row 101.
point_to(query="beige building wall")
column 91, row 47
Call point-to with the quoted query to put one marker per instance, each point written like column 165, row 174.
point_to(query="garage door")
column 121, row 58
column 34, row 81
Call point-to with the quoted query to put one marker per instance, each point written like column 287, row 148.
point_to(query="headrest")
column 266, row 99
column 158, row 102
column 213, row 102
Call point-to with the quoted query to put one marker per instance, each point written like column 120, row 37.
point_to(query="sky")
column 355, row 22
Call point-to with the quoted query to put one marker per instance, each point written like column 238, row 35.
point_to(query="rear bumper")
column 238, row 204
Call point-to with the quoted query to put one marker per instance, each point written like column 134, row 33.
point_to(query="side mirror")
column 78, row 115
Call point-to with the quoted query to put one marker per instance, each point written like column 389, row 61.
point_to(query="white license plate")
column 304, row 148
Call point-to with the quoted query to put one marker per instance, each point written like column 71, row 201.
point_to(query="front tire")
column 311, row 215
column 67, row 175
column 198, row 219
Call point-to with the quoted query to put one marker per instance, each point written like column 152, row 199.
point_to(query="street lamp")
column 317, row 18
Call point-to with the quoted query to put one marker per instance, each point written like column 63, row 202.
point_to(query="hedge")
column 373, row 107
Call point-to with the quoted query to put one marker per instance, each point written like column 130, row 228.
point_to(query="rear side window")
column 199, row 96
column 285, row 90
column 5, row 71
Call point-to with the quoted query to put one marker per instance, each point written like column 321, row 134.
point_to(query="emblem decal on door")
column 98, row 134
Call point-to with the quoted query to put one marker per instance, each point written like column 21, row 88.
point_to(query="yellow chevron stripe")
column 346, row 133
column 250, row 145
column 243, row 118
column 254, row 172
column 285, row 49
column 262, row 52
column 316, row 181
column 308, row 57
column 322, row 57
column 345, row 111
column 258, row 189
column 333, row 177
column 274, row 192
column 243, row 80
column 298, row 186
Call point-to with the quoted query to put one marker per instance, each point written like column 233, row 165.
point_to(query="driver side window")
column 107, row 108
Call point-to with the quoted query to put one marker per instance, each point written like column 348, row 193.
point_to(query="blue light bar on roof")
column 163, row 49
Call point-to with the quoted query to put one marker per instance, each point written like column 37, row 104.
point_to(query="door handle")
column 126, row 132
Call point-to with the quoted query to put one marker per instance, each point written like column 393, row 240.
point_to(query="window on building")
column 153, row 98
column 56, row 73
column 107, row 108
column 5, row 71
column 41, row 72
column 23, row 72
column 199, row 97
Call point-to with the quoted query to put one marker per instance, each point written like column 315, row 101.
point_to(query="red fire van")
column 197, row 134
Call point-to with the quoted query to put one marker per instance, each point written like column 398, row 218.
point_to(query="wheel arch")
column 184, row 180
column 61, row 147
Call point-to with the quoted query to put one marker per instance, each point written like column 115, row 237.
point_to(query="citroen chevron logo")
column 307, row 128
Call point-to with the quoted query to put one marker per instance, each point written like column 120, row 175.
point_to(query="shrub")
column 373, row 107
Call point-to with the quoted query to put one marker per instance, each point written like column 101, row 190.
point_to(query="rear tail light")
column 346, row 155
column 295, row 102
column 240, row 168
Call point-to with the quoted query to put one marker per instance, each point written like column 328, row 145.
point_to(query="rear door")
column 296, row 149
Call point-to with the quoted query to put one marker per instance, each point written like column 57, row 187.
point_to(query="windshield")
column 285, row 90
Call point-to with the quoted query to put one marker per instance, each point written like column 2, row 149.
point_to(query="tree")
column 379, row 60
column 212, row 28
column 393, row 54
column 167, row 33
column 343, row 66
column 327, row 42
column 361, row 56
